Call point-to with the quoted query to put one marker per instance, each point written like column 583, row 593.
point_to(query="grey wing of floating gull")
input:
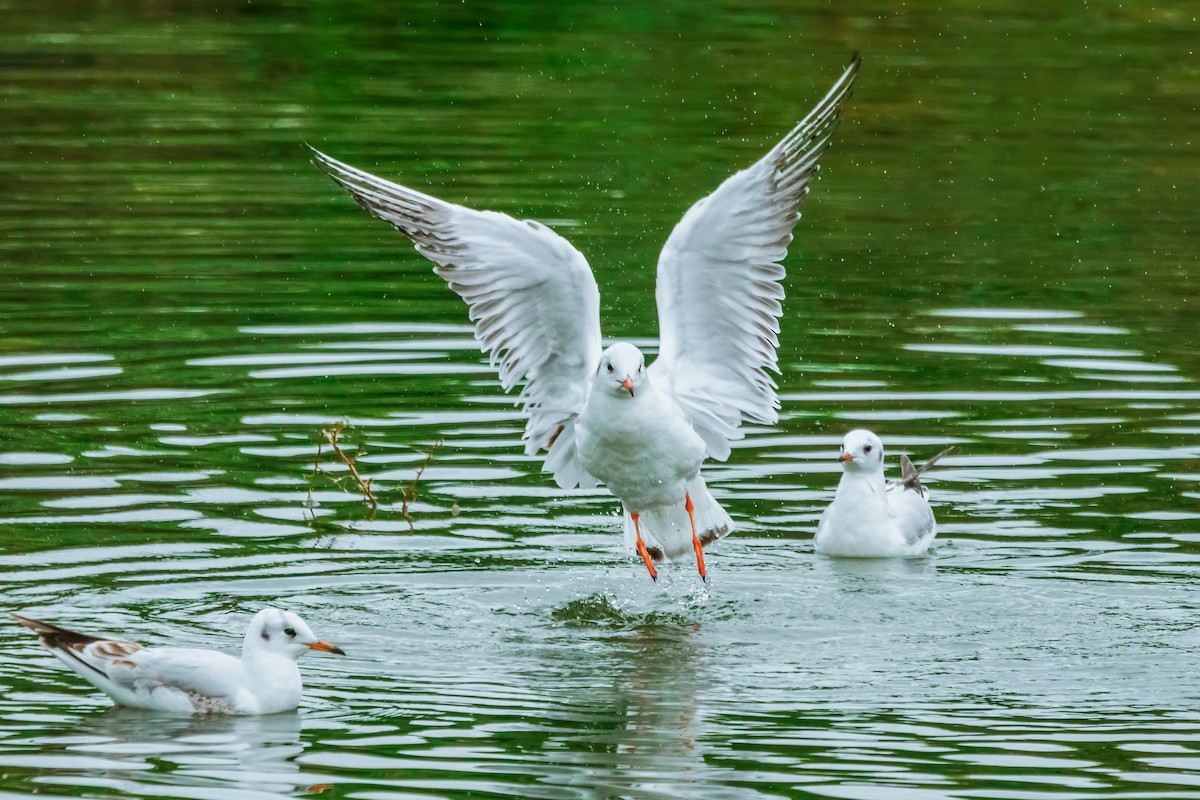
column 914, row 517
column 531, row 295
column 719, row 283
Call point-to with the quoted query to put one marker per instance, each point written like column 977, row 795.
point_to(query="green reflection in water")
column 1000, row 254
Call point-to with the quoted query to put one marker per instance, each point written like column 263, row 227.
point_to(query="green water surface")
column 1001, row 254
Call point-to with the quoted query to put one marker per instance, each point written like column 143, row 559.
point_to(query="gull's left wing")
column 531, row 295
column 719, row 288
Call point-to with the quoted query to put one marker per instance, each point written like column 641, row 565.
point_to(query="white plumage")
column 178, row 680
column 870, row 518
column 535, row 306
column 637, row 441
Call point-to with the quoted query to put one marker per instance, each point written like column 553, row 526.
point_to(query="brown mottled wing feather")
column 54, row 636
column 75, row 644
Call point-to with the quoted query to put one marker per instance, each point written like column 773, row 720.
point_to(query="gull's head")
column 622, row 369
column 283, row 633
column 862, row 451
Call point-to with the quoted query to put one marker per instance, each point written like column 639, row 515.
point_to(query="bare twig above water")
column 331, row 435
column 410, row 491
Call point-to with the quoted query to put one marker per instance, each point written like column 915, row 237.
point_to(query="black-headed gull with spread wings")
column 182, row 680
column 602, row 415
column 871, row 518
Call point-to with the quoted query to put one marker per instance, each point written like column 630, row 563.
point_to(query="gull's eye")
column 610, row 367
column 867, row 448
column 290, row 631
column 639, row 369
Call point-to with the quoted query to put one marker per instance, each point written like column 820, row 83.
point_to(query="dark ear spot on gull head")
column 861, row 450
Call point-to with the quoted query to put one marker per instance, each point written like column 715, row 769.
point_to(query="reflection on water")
column 997, row 257
column 143, row 753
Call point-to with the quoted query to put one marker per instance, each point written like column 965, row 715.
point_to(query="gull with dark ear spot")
column 870, row 518
column 604, row 416
column 185, row 681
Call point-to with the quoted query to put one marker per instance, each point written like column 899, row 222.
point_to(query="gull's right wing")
column 719, row 282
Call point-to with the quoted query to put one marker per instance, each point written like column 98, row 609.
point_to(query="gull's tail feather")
column 666, row 530
column 91, row 657
column 53, row 637
column 910, row 476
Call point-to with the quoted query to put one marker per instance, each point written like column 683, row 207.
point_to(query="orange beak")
column 627, row 385
column 326, row 647
column 846, row 457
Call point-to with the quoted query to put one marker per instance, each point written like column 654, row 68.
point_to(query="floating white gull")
column 604, row 416
column 179, row 680
column 869, row 518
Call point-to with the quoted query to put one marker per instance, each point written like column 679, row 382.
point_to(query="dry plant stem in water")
column 410, row 491
column 331, row 435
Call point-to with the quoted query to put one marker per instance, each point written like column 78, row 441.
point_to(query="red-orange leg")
column 687, row 503
column 641, row 548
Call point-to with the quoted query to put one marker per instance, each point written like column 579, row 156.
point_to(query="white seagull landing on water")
column 869, row 518
column 179, row 680
column 603, row 416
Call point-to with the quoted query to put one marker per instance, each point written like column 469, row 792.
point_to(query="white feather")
column 531, row 295
column 719, row 287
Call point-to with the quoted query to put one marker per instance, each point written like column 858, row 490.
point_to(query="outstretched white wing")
column 719, row 288
column 531, row 295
